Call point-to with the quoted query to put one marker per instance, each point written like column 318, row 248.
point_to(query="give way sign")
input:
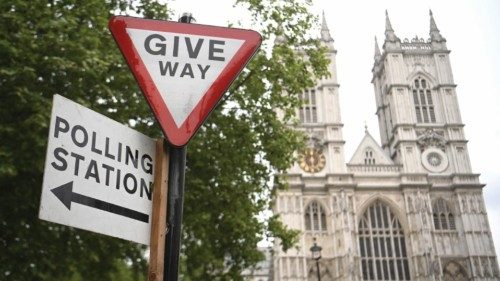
column 182, row 69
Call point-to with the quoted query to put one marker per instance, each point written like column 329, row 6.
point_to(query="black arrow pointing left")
column 66, row 195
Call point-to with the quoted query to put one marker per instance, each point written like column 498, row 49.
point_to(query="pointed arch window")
column 369, row 157
column 382, row 245
column 422, row 98
column 307, row 111
column 442, row 215
column 315, row 217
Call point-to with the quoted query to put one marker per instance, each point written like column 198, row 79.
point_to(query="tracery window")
column 442, row 215
column 369, row 157
column 308, row 112
column 315, row 217
column 382, row 245
column 422, row 98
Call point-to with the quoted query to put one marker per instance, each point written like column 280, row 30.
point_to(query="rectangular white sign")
column 98, row 174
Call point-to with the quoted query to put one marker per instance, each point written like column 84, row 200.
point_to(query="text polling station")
column 98, row 174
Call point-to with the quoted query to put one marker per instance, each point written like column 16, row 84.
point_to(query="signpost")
column 98, row 174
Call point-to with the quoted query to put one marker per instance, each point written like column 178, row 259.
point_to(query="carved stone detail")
column 454, row 271
column 316, row 139
column 431, row 138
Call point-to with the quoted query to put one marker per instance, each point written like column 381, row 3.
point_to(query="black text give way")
column 158, row 45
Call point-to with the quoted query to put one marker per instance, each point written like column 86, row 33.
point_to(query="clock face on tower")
column 312, row 160
column 434, row 160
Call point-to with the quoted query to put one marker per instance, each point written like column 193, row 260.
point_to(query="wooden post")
column 158, row 218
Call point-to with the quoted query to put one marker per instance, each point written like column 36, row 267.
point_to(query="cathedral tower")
column 417, row 107
column 421, row 129
column 320, row 168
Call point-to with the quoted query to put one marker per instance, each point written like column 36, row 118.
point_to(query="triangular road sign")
column 182, row 69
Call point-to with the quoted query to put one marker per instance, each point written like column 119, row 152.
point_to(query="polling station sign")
column 98, row 174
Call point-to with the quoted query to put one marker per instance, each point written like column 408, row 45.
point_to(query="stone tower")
column 408, row 209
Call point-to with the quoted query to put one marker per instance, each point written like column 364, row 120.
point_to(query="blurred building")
column 263, row 270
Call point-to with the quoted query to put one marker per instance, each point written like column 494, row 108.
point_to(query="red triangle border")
column 180, row 136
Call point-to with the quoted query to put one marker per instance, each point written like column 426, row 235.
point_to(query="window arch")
column 382, row 245
column 315, row 217
column 307, row 111
column 369, row 157
column 442, row 215
column 422, row 98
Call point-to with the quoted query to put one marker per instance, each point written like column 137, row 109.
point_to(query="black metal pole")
column 175, row 202
column 317, row 270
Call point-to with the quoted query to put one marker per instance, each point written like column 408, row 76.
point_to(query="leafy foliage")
column 64, row 47
column 235, row 157
column 47, row 48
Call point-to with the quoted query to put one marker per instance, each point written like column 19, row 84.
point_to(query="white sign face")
column 98, row 174
column 183, row 66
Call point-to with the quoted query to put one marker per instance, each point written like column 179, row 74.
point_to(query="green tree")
column 46, row 48
column 64, row 47
column 235, row 157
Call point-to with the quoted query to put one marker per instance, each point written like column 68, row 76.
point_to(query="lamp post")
column 316, row 255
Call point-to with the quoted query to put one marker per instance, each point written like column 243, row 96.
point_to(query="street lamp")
column 316, row 255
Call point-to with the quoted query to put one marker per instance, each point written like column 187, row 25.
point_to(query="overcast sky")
column 471, row 29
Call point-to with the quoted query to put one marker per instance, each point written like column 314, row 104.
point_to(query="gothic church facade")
column 410, row 208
